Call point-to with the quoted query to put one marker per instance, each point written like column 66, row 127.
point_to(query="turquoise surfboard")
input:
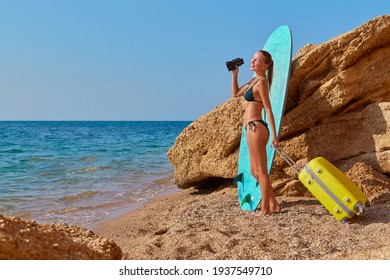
column 279, row 45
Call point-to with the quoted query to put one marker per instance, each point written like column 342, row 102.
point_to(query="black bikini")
column 250, row 98
column 252, row 125
column 249, row 94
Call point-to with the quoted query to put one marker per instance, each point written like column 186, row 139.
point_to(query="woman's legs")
column 257, row 138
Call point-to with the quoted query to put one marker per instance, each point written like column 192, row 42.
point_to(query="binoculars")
column 233, row 63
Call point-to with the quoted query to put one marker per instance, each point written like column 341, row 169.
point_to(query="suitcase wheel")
column 367, row 204
column 359, row 208
column 345, row 220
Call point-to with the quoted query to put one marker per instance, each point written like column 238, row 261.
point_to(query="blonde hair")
column 270, row 68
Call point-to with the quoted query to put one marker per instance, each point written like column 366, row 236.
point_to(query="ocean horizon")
column 81, row 172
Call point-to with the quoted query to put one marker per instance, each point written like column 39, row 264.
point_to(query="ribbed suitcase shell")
column 333, row 189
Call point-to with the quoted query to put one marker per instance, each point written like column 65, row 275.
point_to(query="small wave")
column 33, row 160
column 14, row 199
column 89, row 169
column 12, row 151
column 163, row 181
column 75, row 216
column 88, row 159
column 5, row 208
column 82, row 195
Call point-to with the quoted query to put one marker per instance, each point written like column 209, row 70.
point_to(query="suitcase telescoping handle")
column 287, row 158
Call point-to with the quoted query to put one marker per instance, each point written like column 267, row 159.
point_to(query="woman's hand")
column 275, row 142
column 235, row 88
column 235, row 71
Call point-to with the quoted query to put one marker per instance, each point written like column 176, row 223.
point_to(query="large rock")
column 26, row 240
column 208, row 148
column 338, row 107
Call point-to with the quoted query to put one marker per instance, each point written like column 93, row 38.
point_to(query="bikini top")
column 249, row 94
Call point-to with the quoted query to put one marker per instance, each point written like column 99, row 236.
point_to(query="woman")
column 256, row 94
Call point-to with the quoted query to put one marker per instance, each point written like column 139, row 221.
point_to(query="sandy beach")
column 338, row 107
column 203, row 224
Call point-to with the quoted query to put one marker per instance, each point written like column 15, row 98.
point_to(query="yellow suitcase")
column 331, row 187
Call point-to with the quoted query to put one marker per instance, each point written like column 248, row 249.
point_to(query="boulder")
column 207, row 150
column 338, row 107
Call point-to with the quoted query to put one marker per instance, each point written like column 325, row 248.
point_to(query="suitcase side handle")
column 287, row 158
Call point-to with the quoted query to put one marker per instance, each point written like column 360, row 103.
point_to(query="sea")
column 83, row 172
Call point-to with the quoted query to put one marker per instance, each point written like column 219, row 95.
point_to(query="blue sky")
column 146, row 60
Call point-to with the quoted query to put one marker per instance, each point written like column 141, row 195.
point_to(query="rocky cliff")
column 338, row 107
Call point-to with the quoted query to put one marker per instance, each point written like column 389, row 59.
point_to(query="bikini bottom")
column 252, row 125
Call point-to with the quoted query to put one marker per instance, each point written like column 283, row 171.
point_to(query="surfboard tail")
column 237, row 179
column 246, row 199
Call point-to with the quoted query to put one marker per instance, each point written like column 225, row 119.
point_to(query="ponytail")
column 270, row 69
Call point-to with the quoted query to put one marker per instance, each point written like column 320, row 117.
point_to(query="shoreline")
column 118, row 213
column 193, row 224
column 80, row 172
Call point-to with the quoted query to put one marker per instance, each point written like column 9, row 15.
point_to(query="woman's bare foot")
column 263, row 213
column 276, row 208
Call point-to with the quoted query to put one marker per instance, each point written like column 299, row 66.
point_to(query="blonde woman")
column 256, row 94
